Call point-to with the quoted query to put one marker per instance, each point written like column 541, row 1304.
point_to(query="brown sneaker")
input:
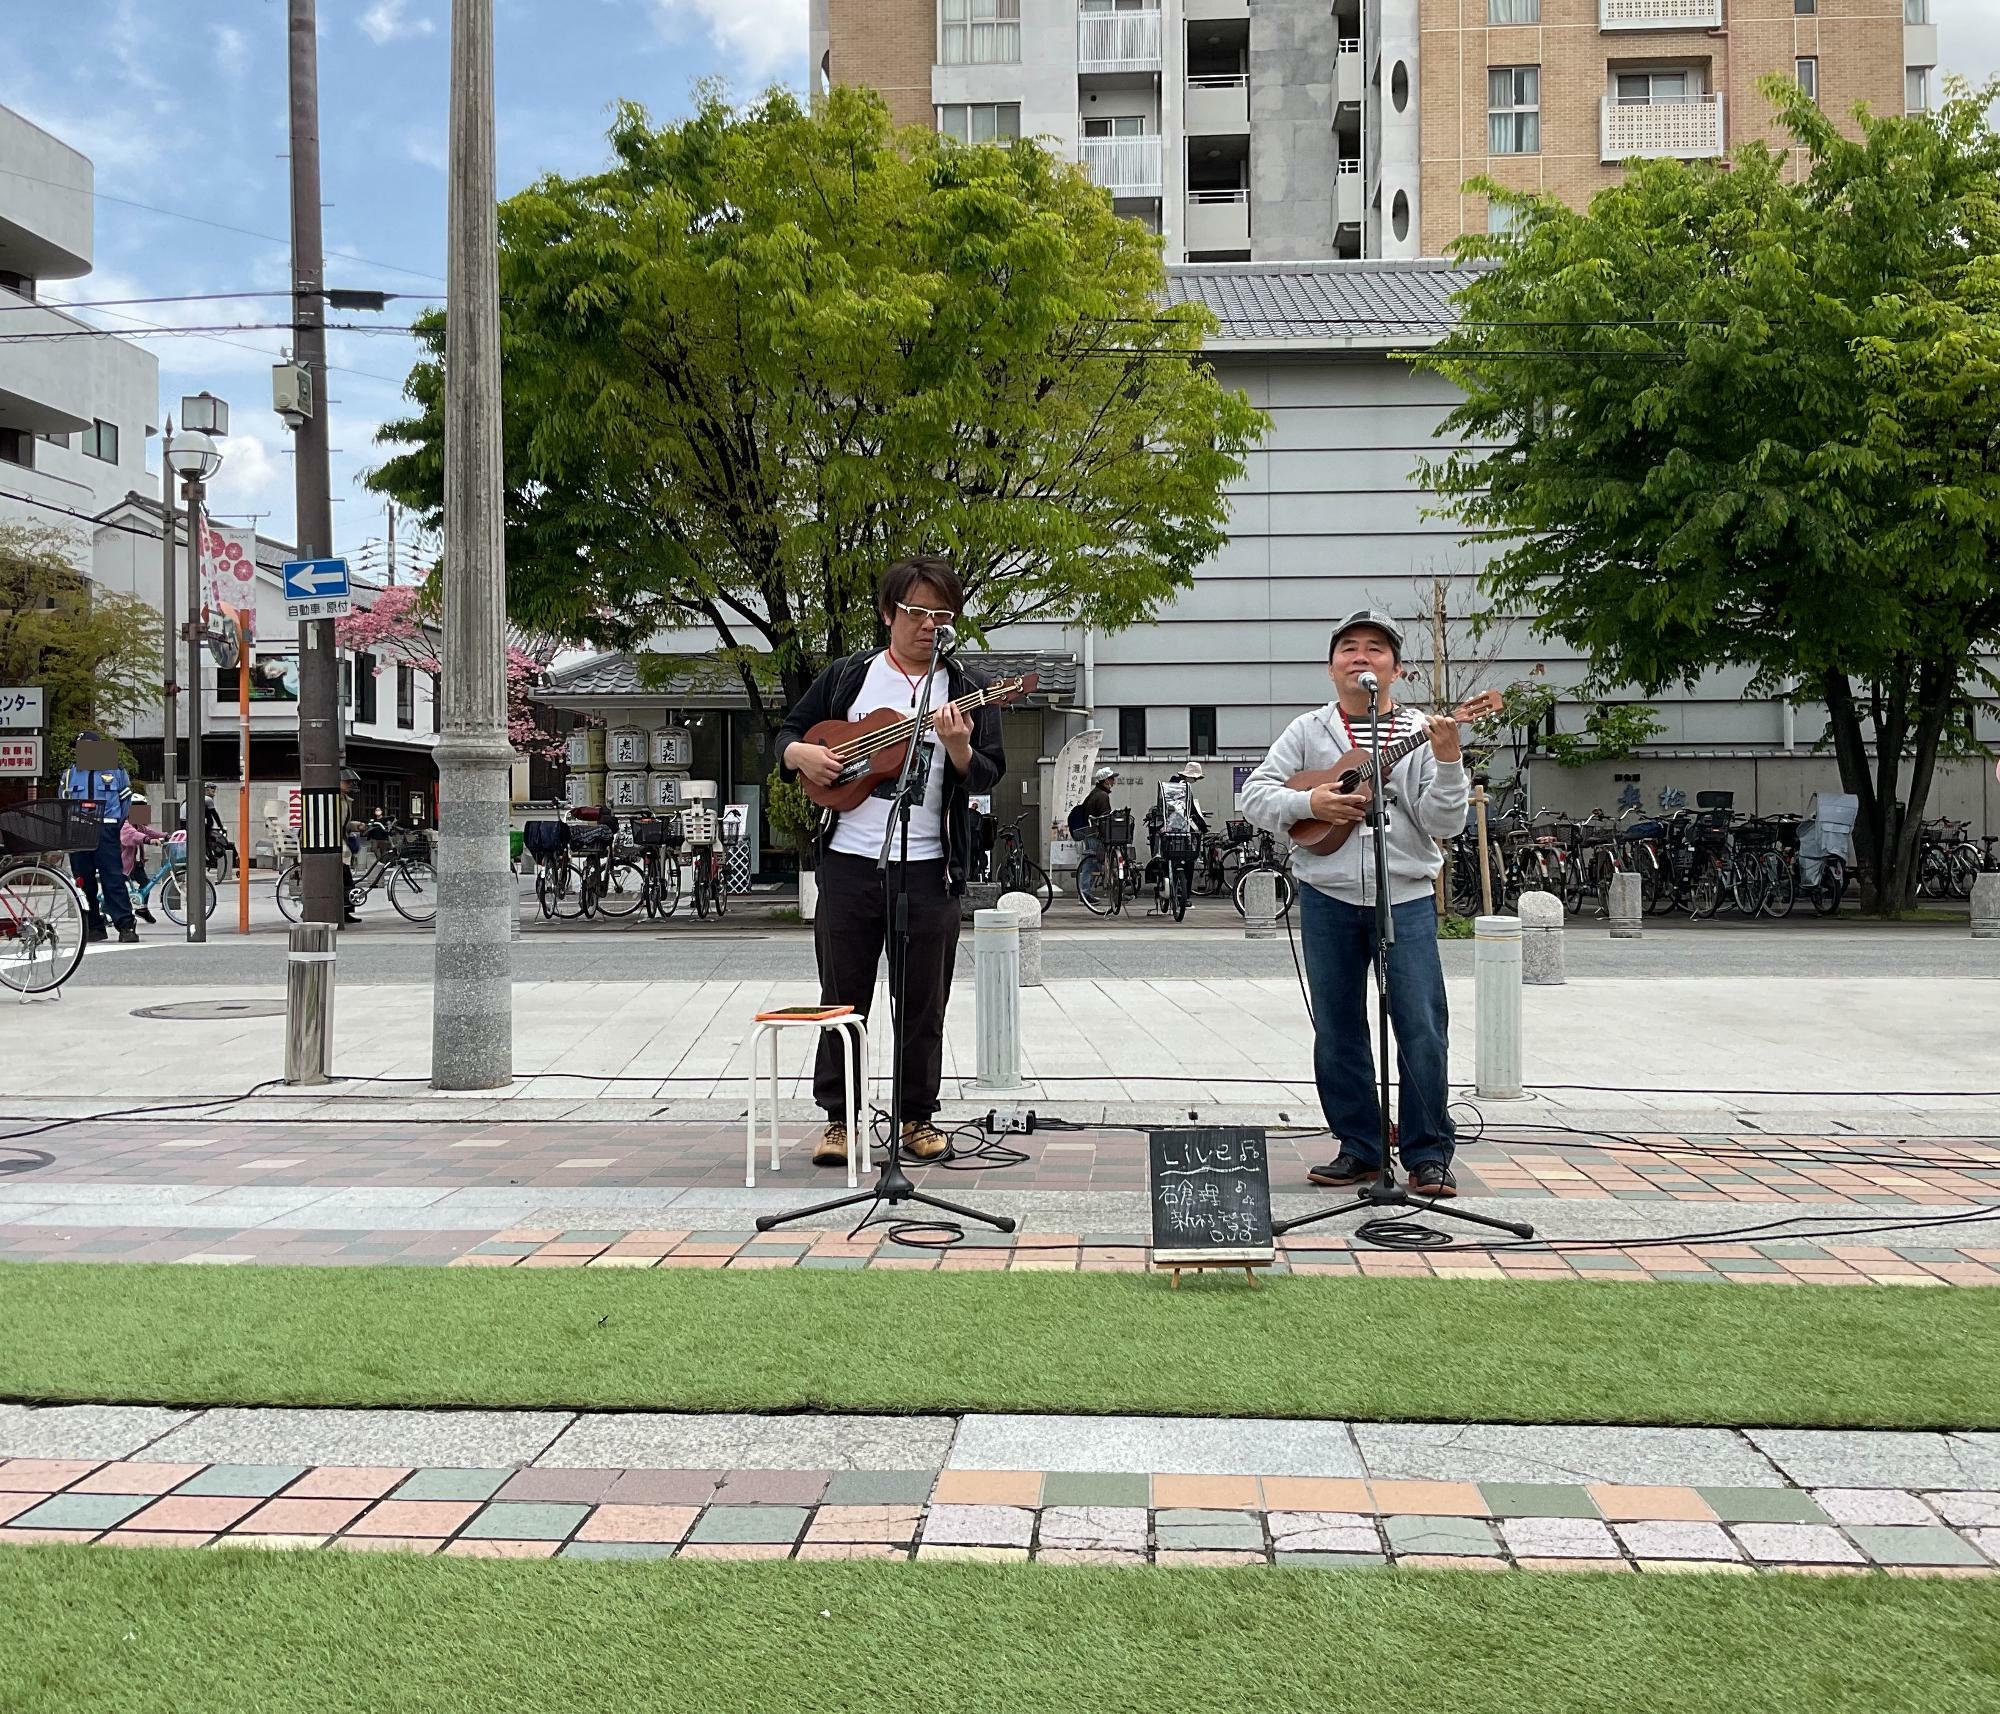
column 831, row 1149
column 923, row 1141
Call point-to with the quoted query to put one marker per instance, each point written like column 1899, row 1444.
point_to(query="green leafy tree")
column 769, row 350
column 1739, row 416
column 95, row 654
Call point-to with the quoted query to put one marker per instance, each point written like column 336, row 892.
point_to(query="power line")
column 222, row 226
column 196, row 332
column 193, row 298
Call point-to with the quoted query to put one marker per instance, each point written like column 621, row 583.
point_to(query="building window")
column 981, row 122
column 979, row 32
column 1201, row 731
column 100, row 440
column 1807, row 72
column 364, row 690
column 406, row 696
column 1501, row 218
column 61, row 440
column 1647, row 88
column 1131, row 732
column 17, row 446
column 1122, row 125
column 1916, row 11
column 1513, row 11
column 1917, row 88
column 1514, row 110
column 21, row 285
column 1809, row 8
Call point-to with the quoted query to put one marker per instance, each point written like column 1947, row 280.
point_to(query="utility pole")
column 319, row 671
column 472, row 1033
column 392, row 544
column 169, row 688
column 196, row 873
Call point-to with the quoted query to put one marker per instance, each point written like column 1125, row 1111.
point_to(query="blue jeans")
column 100, row 877
column 1338, row 941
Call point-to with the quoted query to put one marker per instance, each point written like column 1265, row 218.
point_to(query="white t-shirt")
column 860, row 830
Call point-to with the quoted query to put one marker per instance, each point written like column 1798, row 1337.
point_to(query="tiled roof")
column 1318, row 302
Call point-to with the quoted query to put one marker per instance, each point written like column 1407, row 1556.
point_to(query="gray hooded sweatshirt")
column 1425, row 802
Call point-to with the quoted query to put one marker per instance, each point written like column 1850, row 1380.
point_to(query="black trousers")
column 849, row 934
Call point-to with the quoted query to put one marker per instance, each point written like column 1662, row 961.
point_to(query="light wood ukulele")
column 1358, row 770
column 871, row 749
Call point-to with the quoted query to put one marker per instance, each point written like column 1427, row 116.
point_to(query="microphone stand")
column 1385, row 1192
column 892, row 1184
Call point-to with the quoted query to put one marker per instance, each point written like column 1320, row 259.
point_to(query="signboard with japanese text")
column 20, row 758
column 317, row 589
column 21, row 708
column 1210, row 1191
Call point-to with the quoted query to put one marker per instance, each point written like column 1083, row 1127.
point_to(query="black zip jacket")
column 833, row 693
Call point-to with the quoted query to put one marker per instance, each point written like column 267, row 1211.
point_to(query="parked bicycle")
column 1108, row 875
column 169, row 882
column 398, row 861
column 42, row 920
column 1010, row 865
column 658, row 839
column 1260, row 856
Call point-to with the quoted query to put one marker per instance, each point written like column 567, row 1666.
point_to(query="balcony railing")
column 1680, row 128
column 1117, row 41
column 1659, row 14
column 1125, row 166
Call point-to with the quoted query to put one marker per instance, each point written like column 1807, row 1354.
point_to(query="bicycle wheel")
column 1705, row 894
column 41, row 928
column 413, row 891
column 1121, row 884
column 621, row 889
column 1746, row 884
column 566, row 892
column 291, row 893
column 1827, row 890
column 1177, row 890
column 1781, row 885
column 173, row 897
column 1090, row 886
column 1603, row 867
column 720, row 883
column 1035, row 882
column 545, row 890
column 667, row 889
column 1964, row 864
column 702, row 885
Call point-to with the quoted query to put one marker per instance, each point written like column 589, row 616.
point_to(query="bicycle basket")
column 699, row 825
column 1238, row 832
column 1118, row 827
column 49, row 824
column 1177, row 844
column 544, row 838
column 598, row 838
column 414, row 848
column 651, row 834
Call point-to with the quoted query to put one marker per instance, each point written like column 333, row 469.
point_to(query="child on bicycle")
column 136, row 833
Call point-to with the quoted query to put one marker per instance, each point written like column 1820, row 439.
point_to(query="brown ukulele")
column 1358, row 769
column 871, row 749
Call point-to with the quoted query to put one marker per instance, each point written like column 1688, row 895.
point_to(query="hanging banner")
column 228, row 566
column 1075, row 762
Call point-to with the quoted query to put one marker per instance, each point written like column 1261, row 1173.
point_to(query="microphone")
column 944, row 641
column 1369, row 682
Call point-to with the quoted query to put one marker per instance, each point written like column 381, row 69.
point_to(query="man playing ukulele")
column 962, row 760
column 1425, row 801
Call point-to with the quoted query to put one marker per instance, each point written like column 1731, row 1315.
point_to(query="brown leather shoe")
column 923, row 1141
column 831, row 1149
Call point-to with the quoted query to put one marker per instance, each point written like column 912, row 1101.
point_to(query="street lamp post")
column 194, row 457
column 472, row 1040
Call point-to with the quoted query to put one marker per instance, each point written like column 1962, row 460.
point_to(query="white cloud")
column 232, row 51
column 426, row 148
column 386, row 21
column 255, row 475
column 762, row 36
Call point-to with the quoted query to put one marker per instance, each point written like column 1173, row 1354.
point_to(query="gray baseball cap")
column 1368, row 616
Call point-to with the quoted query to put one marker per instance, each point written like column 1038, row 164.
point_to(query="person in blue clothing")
column 100, row 873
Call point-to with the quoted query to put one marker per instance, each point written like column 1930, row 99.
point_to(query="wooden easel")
column 1249, row 1269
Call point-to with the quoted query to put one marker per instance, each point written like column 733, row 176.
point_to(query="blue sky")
column 182, row 106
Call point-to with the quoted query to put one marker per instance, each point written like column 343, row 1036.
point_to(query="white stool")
column 852, row 1028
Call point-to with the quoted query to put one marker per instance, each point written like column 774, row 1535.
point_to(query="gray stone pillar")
column 996, row 994
column 1986, row 907
column 1542, row 962
column 1627, row 905
column 1027, row 913
column 1260, row 905
column 1496, row 1006
column 472, row 1033
column 309, row 971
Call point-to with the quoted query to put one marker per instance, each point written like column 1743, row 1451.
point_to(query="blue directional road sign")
column 317, row 589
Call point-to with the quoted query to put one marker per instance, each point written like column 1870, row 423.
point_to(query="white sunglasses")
column 936, row 615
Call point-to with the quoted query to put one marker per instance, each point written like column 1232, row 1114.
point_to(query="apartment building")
column 1311, row 130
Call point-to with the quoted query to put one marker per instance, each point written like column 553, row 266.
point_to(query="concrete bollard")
column 1027, row 911
column 1496, row 1005
column 1627, row 904
column 1260, row 905
column 1986, row 907
column 309, row 968
column 1542, row 962
column 996, row 994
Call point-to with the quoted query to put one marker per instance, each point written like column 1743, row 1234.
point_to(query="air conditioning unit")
column 292, row 393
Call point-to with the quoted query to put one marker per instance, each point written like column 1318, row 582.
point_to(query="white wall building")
column 75, row 408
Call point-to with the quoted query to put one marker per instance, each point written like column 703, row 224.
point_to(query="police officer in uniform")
column 100, row 874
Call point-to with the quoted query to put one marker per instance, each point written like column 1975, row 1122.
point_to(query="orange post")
column 243, row 771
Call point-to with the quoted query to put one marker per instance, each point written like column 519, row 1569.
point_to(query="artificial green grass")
column 85, row 1630
column 689, row 1339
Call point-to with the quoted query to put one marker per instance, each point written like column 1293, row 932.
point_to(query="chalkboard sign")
column 1210, row 1189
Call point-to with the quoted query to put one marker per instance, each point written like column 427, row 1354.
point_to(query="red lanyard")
column 907, row 679
column 1354, row 743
